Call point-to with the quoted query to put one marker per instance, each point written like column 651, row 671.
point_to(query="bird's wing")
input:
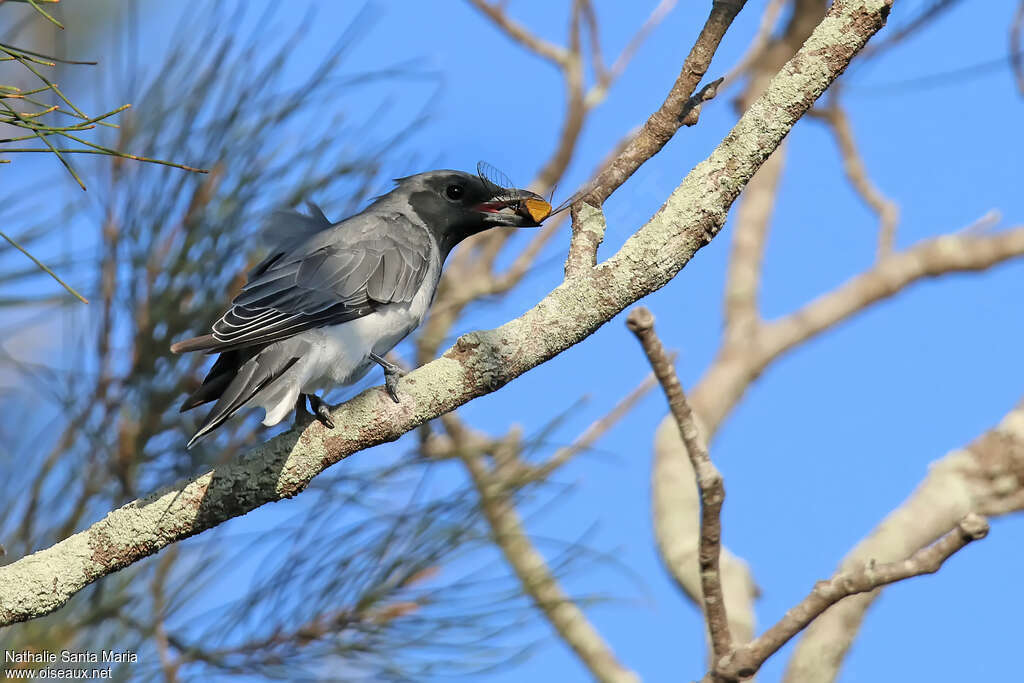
column 333, row 276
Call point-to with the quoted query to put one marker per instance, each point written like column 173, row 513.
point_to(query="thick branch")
column 479, row 363
column 709, row 482
column 749, row 658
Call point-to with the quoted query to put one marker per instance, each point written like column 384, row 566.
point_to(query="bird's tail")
column 207, row 342
column 236, row 382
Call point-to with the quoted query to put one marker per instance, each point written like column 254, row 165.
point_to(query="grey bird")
column 331, row 299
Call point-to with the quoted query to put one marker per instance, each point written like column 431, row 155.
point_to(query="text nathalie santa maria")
column 69, row 657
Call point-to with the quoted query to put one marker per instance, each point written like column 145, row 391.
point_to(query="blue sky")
column 834, row 435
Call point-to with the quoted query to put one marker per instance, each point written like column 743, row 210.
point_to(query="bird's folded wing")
column 335, row 276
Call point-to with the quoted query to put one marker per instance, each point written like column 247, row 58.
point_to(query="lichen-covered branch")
column 479, row 363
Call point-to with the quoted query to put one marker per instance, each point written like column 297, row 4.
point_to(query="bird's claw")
column 321, row 411
column 392, row 373
column 391, row 384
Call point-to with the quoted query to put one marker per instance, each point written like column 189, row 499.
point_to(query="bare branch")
column 749, row 658
column 521, row 34
column 1017, row 47
column 606, row 77
column 985, row 477
column 758, row 45
column 537, row 580
column 588, row 226
column 576, row 111
column 675, row 504
column 750, row 232
column 709, row 482
column 727, row 379
column 856, row 172
column 478, row 364
column 664, row 123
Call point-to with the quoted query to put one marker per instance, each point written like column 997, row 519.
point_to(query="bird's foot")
column 320, row 410
column 392, row 373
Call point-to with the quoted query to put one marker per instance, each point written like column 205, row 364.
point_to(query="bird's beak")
column 515, row 208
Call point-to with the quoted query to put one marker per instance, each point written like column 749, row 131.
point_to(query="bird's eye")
column 454, row 191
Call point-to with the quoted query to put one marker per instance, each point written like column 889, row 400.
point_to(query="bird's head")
column 456, row 205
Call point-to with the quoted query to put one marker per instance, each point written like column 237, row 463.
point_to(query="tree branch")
column 985, row 477
column 749, row 658
column 536, row 578
column 520, row 34
column 605, row 77
column 664, row 123
column 709, row 483
column 728, row 378
column 675, row 504
column 478, row 364
column 749, row 234
column 856, row 172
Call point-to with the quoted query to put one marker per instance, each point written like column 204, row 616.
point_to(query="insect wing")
column 496, row 181
column 571, row 200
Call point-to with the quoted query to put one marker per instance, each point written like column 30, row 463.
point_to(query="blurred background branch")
column 34, row 109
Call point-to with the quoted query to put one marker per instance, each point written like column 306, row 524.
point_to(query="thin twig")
column 758, row 44
column 43, row 267
column 606, row 77
column 856, row 172
column 709, row 482
column 521, row 35
column 664, row 123
column 593, row 433
column 1017, row 47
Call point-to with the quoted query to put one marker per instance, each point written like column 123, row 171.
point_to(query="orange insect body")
column 537, row 208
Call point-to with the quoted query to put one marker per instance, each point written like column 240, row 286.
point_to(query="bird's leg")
column 320, row 410
column 300, row 408
column 392, row 373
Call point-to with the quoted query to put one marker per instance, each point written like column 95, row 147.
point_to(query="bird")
column 330, row 300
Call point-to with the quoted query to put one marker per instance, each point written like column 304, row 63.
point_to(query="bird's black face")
column 456, row 205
